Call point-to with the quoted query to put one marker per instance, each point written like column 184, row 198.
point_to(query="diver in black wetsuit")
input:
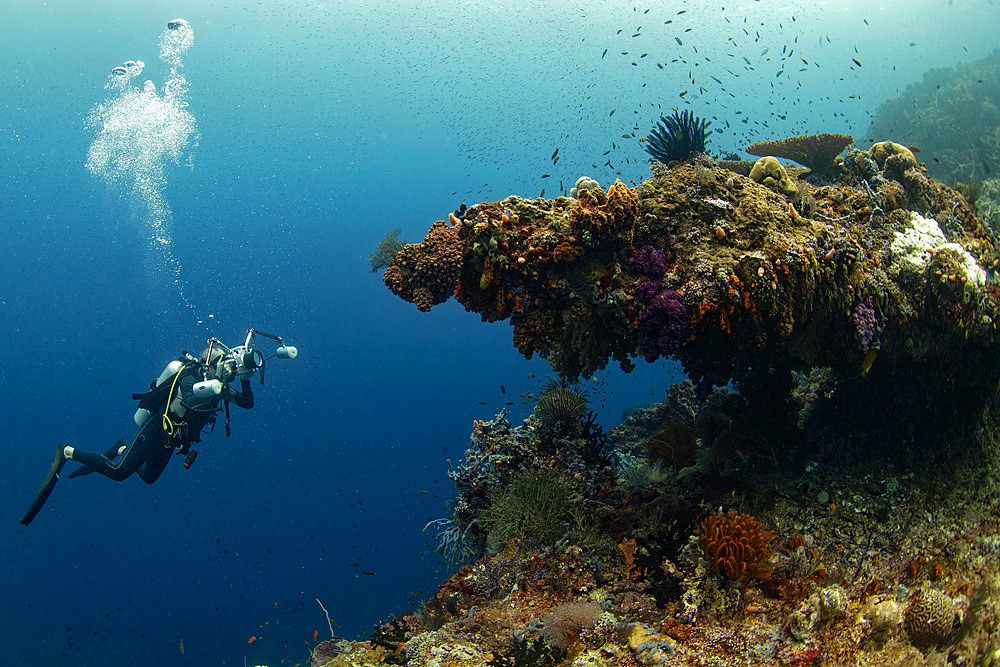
column 174, row 420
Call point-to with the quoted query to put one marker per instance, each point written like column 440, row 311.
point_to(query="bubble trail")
column 139, row 131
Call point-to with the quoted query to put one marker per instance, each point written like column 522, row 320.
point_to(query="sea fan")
column 676, row 137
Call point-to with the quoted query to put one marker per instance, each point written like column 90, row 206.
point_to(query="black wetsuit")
column 152, row 446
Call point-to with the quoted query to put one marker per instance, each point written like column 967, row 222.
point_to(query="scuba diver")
column 171, row 415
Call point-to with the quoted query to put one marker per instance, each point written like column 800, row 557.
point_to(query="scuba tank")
column 142, row 415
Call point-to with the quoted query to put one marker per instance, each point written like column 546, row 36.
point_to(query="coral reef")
column 843, row 360
column 755, row 284
column 865, row 566
column 676, row 137
column 952, row 115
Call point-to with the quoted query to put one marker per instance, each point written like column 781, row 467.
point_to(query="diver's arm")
column 244, row 397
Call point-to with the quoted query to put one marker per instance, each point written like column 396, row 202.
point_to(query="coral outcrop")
column 843, row 360
column 886, row 277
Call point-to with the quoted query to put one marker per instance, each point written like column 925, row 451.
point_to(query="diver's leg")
column 47, row 485
column 146, row 442
column 113, row 453
column 150, row 471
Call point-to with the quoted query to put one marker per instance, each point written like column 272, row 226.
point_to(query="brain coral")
column 929, row 617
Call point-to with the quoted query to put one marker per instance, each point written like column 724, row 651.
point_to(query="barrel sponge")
column 768, row 171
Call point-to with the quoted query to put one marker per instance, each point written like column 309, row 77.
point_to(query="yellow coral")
column 769, row 172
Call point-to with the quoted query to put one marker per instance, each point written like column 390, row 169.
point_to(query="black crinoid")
column 561, row 408
column 676, row 137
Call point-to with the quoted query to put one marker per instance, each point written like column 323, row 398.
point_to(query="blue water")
column 320, row 126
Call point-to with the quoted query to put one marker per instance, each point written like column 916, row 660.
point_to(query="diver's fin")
column 110, row 455
column 80, row 472
column 50, row 481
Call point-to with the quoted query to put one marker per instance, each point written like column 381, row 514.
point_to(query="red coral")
column 736, row 545
column 426, row 273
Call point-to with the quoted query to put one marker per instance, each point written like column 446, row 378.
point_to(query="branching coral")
column 677, row 136
column 736, row 545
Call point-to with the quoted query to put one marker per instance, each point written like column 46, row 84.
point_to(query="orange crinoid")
column 736, row 545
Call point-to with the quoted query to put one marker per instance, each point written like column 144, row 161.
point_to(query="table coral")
column 816, row 151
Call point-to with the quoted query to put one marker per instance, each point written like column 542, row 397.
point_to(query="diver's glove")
column 247, row 374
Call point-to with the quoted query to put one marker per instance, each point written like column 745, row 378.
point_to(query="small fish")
column 555, row 153
column 678, row 40
column 867, row 362
column 182, row 646
column 503, row 390
column 613, row 112
column 315, row 634
column 482, row 402
column 368, row 574
column 546, row 175
column 604, row 54
column 913, row 149
column 856, row 62
column 252, row 639
column 542, row 193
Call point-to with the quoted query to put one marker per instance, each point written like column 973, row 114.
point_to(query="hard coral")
column 602, row 216
column 736, row 545
column 426, row 273
column 816, row 151
column 929, row 617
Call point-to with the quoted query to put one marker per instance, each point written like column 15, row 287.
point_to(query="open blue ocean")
column 244, row 186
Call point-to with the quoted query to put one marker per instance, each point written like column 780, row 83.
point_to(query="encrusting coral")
column 425, row 273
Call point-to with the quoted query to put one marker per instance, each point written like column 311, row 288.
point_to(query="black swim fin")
column 110, row 455
column 50, row 481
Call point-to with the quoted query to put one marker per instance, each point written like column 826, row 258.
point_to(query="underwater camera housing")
column 243, row 360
